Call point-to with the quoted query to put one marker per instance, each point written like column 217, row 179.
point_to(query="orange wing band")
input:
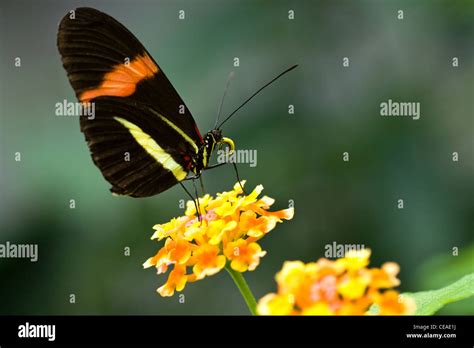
column 123, row 79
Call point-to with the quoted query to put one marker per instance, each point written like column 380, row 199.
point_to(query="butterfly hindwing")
column 109, row 67
column 134, row 148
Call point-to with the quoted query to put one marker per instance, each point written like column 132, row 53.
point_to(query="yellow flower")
column 176, row 281
column 355, row 259
column 353, row 287
column 341, row 287
column 386, row 277
column 273, row 304
column 291, row 277
column 244, row 256
column 392, row 303
column 207, row 261
column 319, row 308
column 228, row 230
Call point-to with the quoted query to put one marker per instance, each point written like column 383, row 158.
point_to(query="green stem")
column 239, row 280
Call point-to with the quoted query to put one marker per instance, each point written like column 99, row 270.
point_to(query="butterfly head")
column 214, row 137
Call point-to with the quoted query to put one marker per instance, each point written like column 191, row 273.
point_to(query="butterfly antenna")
column 257, row 92
column 219, row 109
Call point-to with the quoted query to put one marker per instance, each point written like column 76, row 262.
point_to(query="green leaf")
column 429, row 302
column 443, row 269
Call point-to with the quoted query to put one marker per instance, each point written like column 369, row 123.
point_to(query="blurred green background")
column 81, row 251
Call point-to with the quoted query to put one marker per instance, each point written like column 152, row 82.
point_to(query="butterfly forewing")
column 143, row 137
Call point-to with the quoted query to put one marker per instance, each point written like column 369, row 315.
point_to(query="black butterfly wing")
column 134, row 147
column 110, row 68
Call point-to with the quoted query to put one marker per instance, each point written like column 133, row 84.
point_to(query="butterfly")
column 143, row 138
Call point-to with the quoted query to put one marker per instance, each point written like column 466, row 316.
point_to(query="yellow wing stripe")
column 155, row 150
column 178, row 130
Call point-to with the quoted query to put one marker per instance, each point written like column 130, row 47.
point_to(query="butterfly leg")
column 192, row 177
column 197, row 200
column 216, row 165
column 194, row 200
column 238, row 177
column 235, row 169
column 202, row 184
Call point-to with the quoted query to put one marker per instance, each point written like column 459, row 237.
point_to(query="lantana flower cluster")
column 226, row 233
column 345, row 286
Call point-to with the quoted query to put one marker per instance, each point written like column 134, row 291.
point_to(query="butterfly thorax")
column 211, row 139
